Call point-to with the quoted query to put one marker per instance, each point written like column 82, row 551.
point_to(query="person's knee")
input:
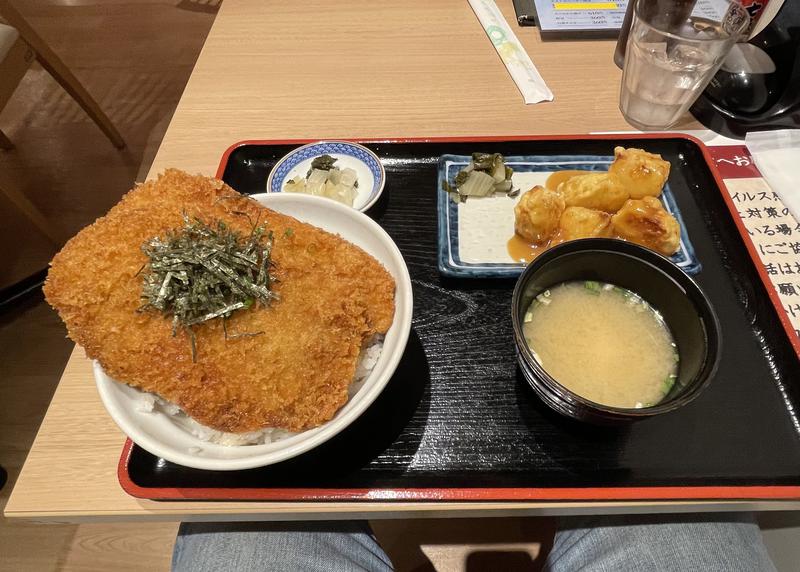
column 725, row 542
column 306, row 546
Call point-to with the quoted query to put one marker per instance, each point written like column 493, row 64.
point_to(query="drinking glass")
column 671, row 58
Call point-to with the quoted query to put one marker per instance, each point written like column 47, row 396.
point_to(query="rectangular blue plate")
column 473, row 235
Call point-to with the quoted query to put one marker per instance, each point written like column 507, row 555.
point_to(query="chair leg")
column 5, row 142
column 62, row 74
column 71, row 85
column 33, row 214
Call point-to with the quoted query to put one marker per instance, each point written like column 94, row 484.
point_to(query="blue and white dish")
column 473, row 235
column 368, row 168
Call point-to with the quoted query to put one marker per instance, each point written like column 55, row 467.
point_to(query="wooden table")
column 329, row 69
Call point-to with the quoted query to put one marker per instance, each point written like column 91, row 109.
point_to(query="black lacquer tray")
column 458, row 422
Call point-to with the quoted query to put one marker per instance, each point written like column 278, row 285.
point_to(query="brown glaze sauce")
column 522, row 251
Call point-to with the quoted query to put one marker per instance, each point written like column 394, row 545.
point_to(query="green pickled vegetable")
column 462, row 177
column 478, row 184
column 484, row 161
column 474, row 179
column 323, row 163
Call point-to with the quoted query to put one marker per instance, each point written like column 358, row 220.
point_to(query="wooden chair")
column 33, row 214
column 20, row 45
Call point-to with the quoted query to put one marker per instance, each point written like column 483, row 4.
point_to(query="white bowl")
column 159, row 434
column 368, row 167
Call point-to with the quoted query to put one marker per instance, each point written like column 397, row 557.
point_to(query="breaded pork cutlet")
column 333, row 297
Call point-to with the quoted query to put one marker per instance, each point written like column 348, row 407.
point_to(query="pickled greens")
column 485, row 175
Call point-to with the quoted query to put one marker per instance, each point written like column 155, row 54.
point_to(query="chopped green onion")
column 593, row 286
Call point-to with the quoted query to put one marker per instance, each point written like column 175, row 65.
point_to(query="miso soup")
column 602, row 342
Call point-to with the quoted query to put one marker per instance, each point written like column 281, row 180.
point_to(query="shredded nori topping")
column 202, row 271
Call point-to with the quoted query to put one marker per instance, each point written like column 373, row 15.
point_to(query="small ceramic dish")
column 665, row 287
column 368, row 168
column 165, row 436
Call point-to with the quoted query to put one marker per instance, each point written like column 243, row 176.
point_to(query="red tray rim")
column 659, row 493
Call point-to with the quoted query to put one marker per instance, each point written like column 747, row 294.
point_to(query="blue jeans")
column 662, row 543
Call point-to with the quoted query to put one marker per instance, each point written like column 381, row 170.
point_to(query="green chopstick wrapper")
column 516, row 59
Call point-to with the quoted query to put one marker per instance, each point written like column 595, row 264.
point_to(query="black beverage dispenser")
column 758, row 86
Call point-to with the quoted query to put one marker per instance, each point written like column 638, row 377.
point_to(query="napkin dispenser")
column 758, row 86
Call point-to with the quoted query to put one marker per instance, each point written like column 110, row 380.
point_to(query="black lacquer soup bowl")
column 682, row 304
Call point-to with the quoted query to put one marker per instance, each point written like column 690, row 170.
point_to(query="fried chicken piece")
column 578, row 222
column 333, row 298
column 558, row 177
column 601, row 191
column 537, row 214
column 643, row 174
column 644, row 221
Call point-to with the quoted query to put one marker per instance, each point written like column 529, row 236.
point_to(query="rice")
column 149, row 403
